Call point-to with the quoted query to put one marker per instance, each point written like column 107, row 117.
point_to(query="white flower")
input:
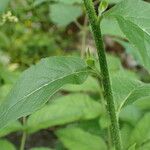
column 9, row 17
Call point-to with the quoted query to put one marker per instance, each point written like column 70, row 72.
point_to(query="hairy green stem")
column 109, row 141
column 94, row 21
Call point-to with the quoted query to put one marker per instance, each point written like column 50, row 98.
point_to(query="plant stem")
column 115, row 133
column 104, row 109
column 24, row 136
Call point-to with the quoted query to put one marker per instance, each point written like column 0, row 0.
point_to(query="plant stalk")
column 104, row 109
column 24, row 136
column 94, row 21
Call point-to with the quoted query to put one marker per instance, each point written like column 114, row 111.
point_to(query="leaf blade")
column 76, row 138
column 38, row 83
column 63, row 14
column 6, row 145
column 141, row 132
column 64, row 110
column 134, row 24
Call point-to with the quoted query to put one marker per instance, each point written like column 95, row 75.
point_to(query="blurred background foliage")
column 60, row 27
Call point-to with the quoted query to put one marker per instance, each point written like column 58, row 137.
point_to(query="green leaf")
column 3, row 5
column 125, row 135
column 143, row 103
column 131, row 50
column 104, row 121
column 130, row 114
column 135, row 23
column 122, row 85
column 6, row 145
column 38, row 83
column 64, row 110
column 77, row 139
column 132, row 147
column 114, row 64
column 145, row 146
column 141, row 132
column 90, row 85
column 38, row 2
column 110, row 27
column 139, row 92
column 13, row 127
column 127, row 89
column 63, row 14
column 92, row 126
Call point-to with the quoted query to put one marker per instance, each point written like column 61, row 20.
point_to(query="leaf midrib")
column 28, row 95
column 126, row 98
column 127, row 18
